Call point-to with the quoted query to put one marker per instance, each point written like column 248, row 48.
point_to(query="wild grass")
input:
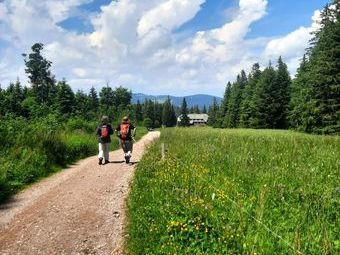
column 31, row 150
column 237, row 192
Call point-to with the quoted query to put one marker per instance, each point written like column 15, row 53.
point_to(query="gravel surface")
column 80, row 210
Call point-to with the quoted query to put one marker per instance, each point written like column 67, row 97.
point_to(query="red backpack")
column 124, row 130
column 104, row 132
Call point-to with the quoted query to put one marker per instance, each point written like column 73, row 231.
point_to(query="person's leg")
column 106, row 152
column 100, row 154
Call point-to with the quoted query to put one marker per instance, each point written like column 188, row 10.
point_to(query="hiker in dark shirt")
column 126, row 132
column 103, row 133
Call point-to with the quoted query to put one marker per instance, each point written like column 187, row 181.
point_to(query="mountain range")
column 192, row 100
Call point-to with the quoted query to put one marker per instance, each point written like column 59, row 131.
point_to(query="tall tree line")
column 47, row 96
column 270, row 99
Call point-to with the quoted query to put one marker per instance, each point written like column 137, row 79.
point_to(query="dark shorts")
column 126, row 145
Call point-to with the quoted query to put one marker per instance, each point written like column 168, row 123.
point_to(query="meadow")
column 31, row 150
column 237, row 192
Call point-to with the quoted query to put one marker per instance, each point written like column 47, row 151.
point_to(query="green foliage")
column 236, row 192
column 39, row 74
column 184, row 119
column 317, row 84
column 213, row 114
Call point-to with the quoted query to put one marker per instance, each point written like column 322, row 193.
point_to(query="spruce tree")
column 138, row 112
column 184, row 119
column 204, row 110
column 299, row 97
column 264, row 99
column 168, row 114
column 323, row 111
column 94, row 100
column 213, row 113
column 39, row 74
column 82, row 106
column 224, row 106
column 282, row 96
column 248, row 110
column 65, row 99
column 233, row 114
column 196, row 109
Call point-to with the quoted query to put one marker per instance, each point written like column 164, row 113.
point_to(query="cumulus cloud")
column 292, row 46
column 134, row 44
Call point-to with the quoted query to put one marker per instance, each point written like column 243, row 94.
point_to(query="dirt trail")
column 77, row 211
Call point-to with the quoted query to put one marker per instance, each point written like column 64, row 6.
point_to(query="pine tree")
column 204, row 110
column 168, row 114
column 282, row 96
column 94, row 100
column 184, row 119
column 299, row 97
column 14, row 96
column 82, row 106
column 65, row 99
column 196, row 109
column 224, row 106
column 2, row 102
column 248, row 110
column 39, row 74
column 233, row 114
column 323, row 108
column 138, row 112
column 265, row 100
column 212, row 113
column 107, row 101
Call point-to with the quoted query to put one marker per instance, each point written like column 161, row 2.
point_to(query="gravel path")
column 77, row 211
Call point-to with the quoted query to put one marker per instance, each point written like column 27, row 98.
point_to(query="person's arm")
column 133, row 133
column 111, row 131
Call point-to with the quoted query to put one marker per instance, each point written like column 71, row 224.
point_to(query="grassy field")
column 237, row 192
column 31, row 150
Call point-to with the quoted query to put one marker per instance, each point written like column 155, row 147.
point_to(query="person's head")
column 105, row 119
column 125, row 119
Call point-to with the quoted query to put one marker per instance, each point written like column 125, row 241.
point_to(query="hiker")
column 103, row 133
column 126, row 133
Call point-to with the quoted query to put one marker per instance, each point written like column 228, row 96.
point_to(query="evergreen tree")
column 323, row 107
column 282, row 96
column 122, row 97
column 107, row 101
column 184, row 119
column 82, row 104
column 264, row 99
column 204, row 110
column 248, row 110
column 233, row 114
column 300, row 97
column 39, row 74
column 212, row 113
column 224, row 107
column 138, row 112
column 13, row 98
column 158, row 114
column 168, row 114
column 65, row 99
column 196, row 109
column 93, row 99
column 149, row 111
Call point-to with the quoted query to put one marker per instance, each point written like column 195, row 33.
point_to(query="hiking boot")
column 100, row 161
column 106, row 162
column 127, row 159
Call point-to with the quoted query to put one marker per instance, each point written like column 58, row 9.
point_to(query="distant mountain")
column 199, row 99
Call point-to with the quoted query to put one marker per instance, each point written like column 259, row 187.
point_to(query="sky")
column 176, row 47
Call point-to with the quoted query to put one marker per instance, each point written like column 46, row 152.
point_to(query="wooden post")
column 163, row 151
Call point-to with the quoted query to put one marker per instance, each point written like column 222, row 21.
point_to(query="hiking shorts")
column 126, row 145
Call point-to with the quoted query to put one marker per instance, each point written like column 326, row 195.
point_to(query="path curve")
column 77, row 211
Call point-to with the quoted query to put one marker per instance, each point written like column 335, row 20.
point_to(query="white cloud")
column 169, row 15
column 134, row 44
column 292, row 46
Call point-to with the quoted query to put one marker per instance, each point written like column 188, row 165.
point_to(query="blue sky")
column 177, row 47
